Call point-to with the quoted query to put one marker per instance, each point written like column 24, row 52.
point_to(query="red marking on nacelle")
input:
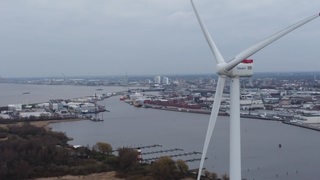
column 247, row 61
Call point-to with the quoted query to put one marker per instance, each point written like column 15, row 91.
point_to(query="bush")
column 182, row 167
column 128, row 159
column 104, row 148
column 164, row 169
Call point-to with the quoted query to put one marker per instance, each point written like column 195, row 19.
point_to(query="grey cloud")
column 74, row 37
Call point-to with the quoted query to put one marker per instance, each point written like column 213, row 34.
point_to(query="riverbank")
column 45, row 123
column 313, row 126
column 46, row 154
column 289, row 120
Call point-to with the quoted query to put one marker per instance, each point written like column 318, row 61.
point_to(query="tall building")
column 165, row 80
column 157, row 79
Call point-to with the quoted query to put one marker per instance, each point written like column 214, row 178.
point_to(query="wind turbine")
column 237, row 67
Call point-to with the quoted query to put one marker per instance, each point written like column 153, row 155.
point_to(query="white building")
column 34, row 114
column 165, row 80
column 4, row 116
column 15, row 107
column 157, row 79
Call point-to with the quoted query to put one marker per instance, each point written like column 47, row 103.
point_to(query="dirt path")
column 95, row 176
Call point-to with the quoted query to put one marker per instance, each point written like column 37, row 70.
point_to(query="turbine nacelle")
column 243, row 69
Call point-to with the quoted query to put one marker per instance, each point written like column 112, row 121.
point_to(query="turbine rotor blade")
column 255, row 48
column 213, row 47
column 212, row 121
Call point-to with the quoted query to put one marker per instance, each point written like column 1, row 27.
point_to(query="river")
column 262, row 158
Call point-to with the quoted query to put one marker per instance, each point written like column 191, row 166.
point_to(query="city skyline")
column 51, row 38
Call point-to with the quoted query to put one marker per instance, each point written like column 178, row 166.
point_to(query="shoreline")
column 255, row 117
column 39, row 123
column 46, row 123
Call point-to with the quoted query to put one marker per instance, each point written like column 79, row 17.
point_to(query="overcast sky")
column 40, row 38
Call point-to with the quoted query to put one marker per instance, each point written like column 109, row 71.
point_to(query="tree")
column 183, row 168
column 104, row 148
column 164, row 169
column 211, row 176
column 128, row 159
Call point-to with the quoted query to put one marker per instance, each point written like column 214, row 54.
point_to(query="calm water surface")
column 125, row 125
column 16, row 93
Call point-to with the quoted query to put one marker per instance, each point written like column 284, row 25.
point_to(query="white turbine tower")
column 237, row 67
